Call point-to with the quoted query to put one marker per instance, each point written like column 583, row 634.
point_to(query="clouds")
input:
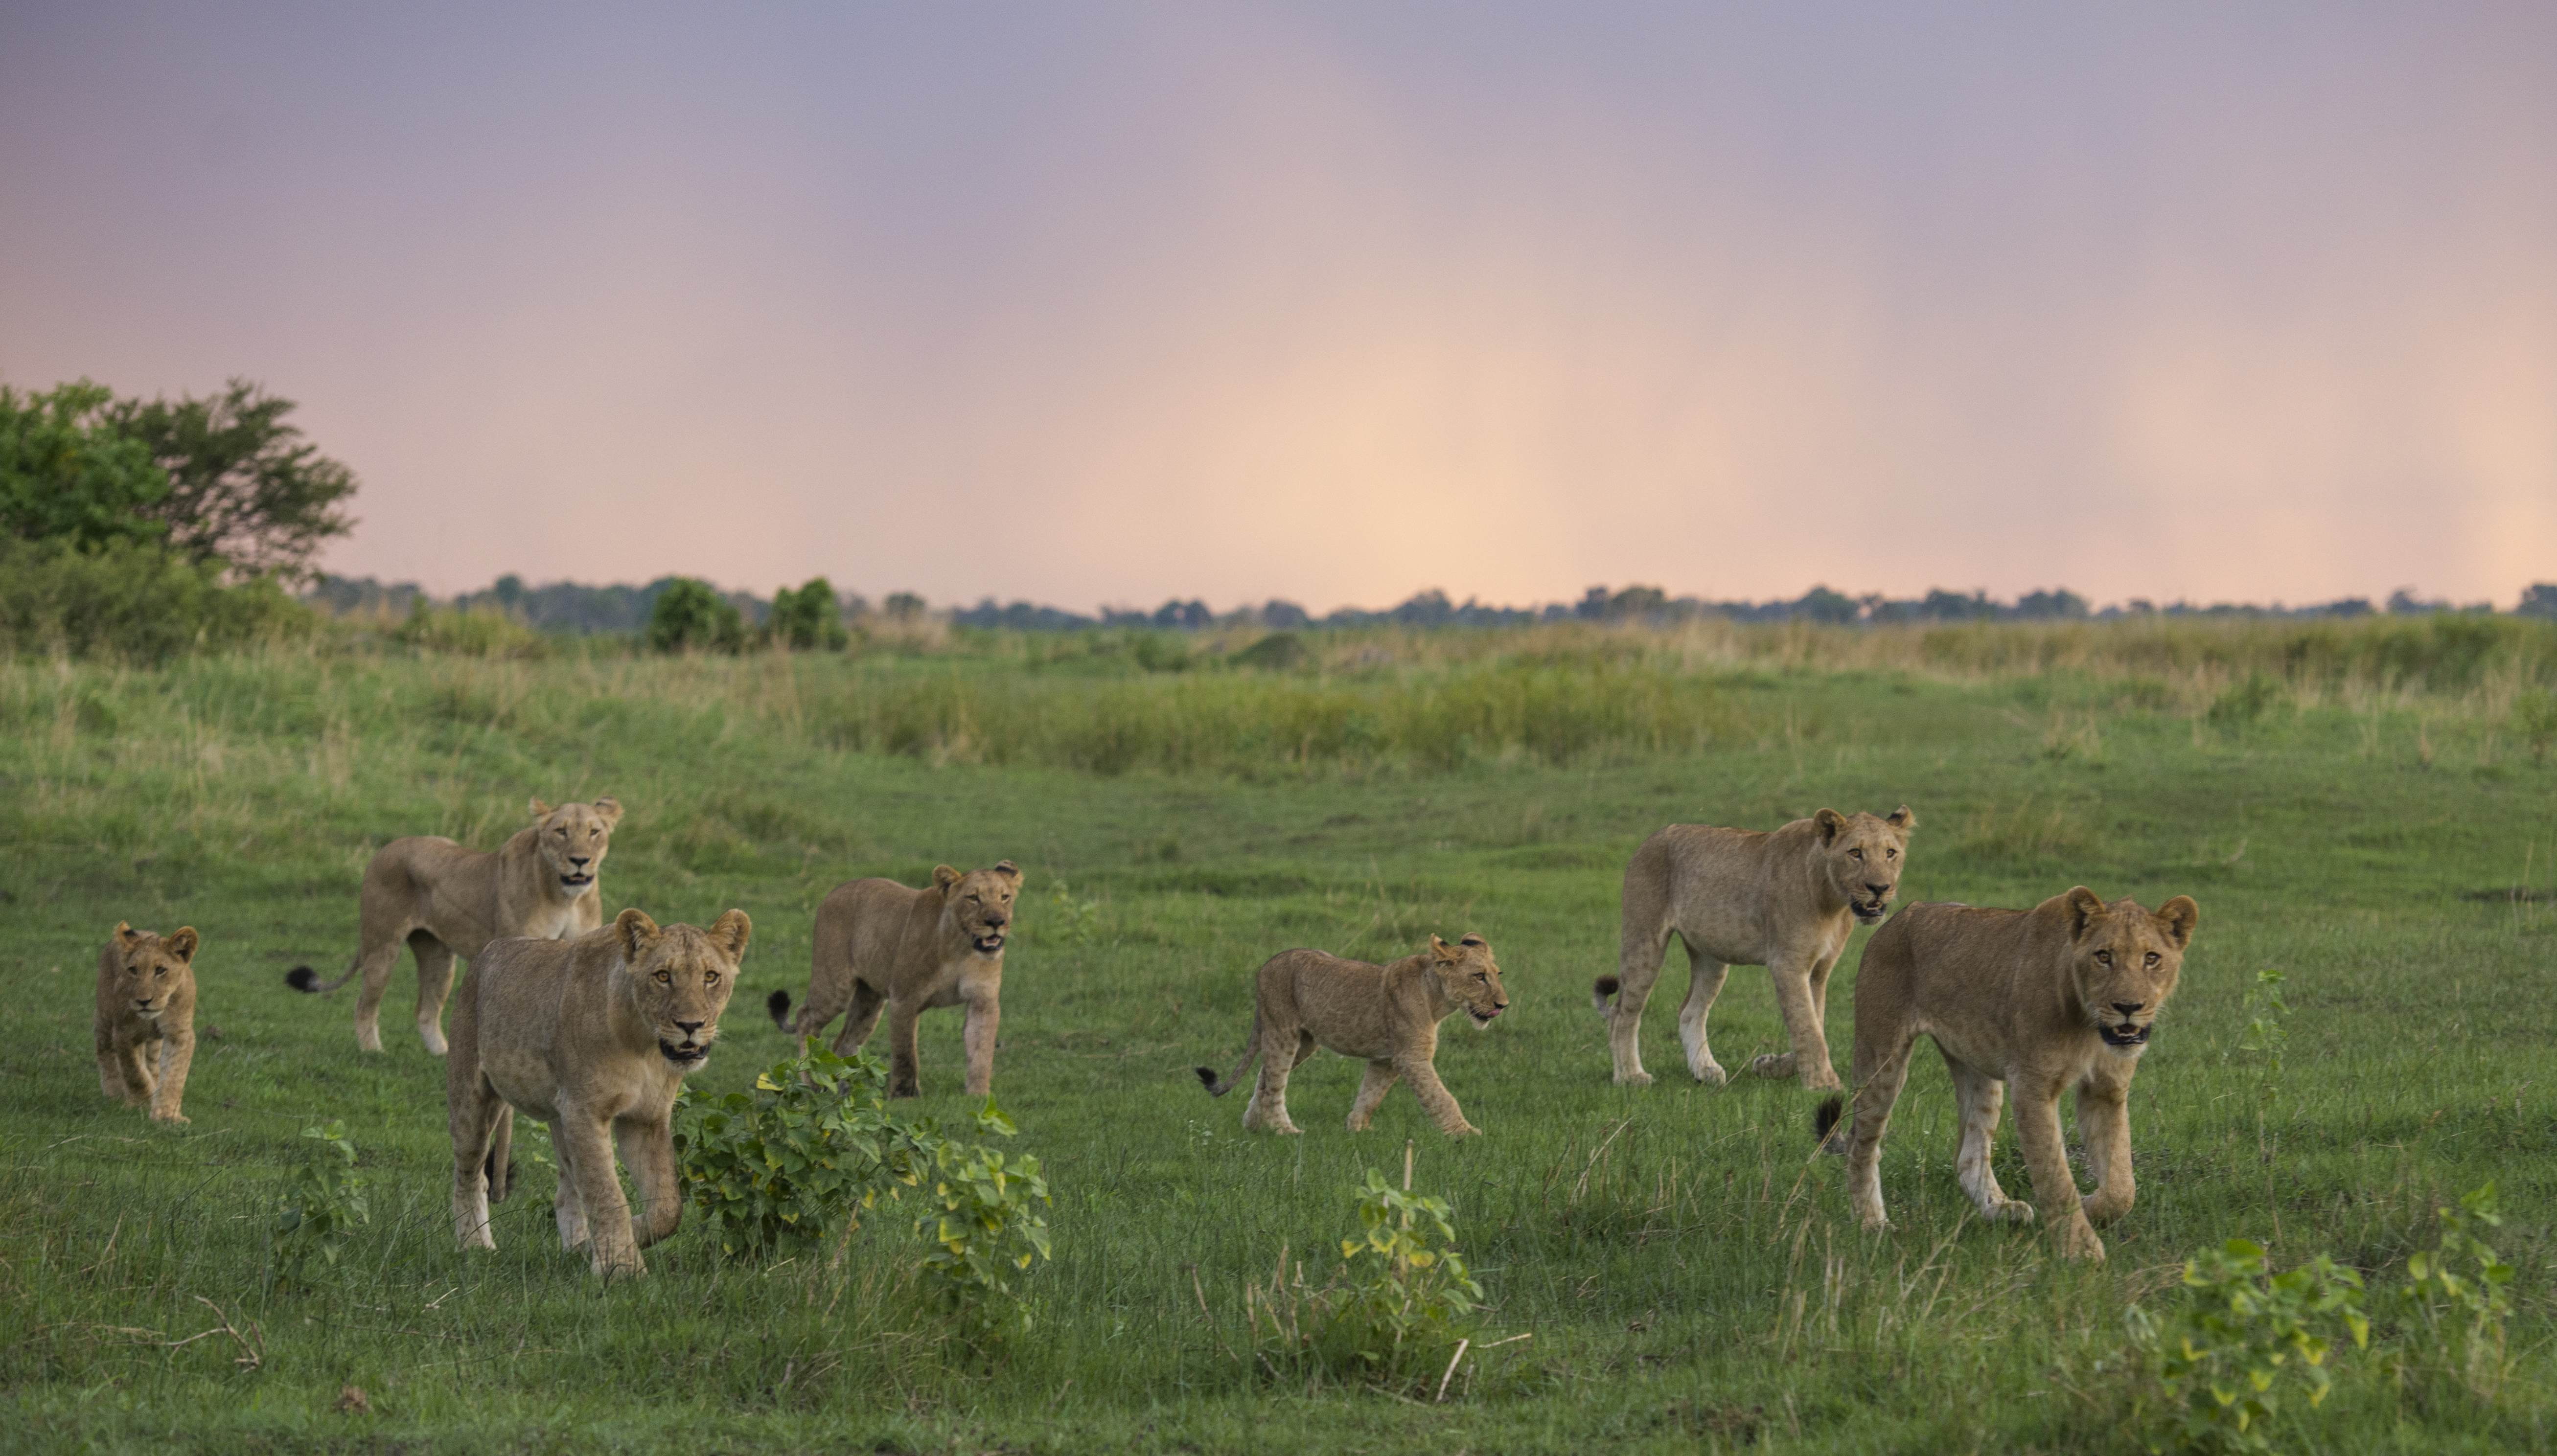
column 1337, row 303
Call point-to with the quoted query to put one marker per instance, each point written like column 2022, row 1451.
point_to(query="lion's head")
column 980, row 902
column 1468, row 975
column 681, row 977
column 154, row 967
column 573, row 842
column 1863, row 855
column 2123, row 962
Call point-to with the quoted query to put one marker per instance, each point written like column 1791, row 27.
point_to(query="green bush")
column 1395, row 1310
column 808, row 619
column 2244, row 1337
column 483, row 630
column 795, row 1164
column 322, row 1207
column 2456, row 1295
column 689, row 616
column 67, row 474
column 134, row 602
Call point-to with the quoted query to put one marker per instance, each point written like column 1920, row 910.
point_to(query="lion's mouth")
column 988, row 945
column 2124, row 1034
column 1482, row 1018
column 578, row 882
column 1869, row 913
column 689, row 1054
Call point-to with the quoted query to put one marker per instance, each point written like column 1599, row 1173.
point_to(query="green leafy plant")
column 798, row 1162
column 689, row 615
column 2244, row 1338
column 2456, row 1293
column 809, row 618
column 1070, row 921
column 2264, row 1035
column 1400, row 1302
column 322, row 1207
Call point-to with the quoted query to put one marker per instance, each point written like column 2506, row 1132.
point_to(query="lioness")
column 444, row 900
column 1386, row 1014
column 594, row 1036
column 2060, row 996
column 146, row 993
column 1785, row 899
column 881, row 945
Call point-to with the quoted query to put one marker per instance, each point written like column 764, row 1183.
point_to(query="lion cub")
column 592, row 1036
column 146, row 993
column 881, row 945
column 2059, row 996
column 1386, row 1015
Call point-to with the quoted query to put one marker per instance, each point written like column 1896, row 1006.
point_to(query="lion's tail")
column 1601, row 989
column 778, row 1003
column 1828, row 1123
column 303, row 978
column 1251, row 1050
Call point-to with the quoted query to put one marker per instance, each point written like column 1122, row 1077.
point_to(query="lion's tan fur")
column 146, row 1000
column 1386, row 1015
column 586, row 1034
column 881, row 946
column 2015, row 998
column 1786, row 899
column 442, row 900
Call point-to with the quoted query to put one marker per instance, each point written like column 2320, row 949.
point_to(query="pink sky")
column 1334, row 304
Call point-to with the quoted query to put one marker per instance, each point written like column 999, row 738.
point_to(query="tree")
column 689, row 615
column 2540, row 600
column 809, row 618
column 244, row 487
column 67, row 474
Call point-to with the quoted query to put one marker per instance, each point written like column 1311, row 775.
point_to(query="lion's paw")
column 1633, row 1079
column 1774, row 1065
column 2009, row 1210
column 1711, row 1074
column 2079, row 1242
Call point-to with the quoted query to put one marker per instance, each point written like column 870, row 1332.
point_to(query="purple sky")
column 1335, row 303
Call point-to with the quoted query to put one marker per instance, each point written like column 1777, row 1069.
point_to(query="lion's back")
column 862, row 922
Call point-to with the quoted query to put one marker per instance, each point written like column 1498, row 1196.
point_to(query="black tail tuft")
column 1827, row 1115
column 778, row 1003
column 1207, row 1079
column 302, row 978
column 1603, row 987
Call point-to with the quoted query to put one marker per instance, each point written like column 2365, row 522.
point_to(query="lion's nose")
column 1878, row 891
column 2128, row 1007
column 577, row 861
column 994, row 922
column 689, row 1027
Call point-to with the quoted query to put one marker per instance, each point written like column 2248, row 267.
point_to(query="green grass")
column 1688, row 1270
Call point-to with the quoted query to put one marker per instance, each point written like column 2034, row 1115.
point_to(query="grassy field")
column 2349, row 814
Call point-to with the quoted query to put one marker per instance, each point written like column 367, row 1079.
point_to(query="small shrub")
column 2244, row 701
column 688, row 614
column 2455, row 1293
column 1161, row 652
column 322, row 1206
column 483, row 630
column 135, row 602
column 1277, row 652
column 2534, row 718
column 809, row 618
column 2264, row 1035
column 987, row 1232
column 1390, row 1314
column 2244, row 1338
column 1070, row 921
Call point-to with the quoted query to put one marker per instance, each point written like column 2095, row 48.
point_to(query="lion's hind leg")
column 1642, row 945
column 863, row 1018
column 434, row 986
column 1980, row 1097
column 1281, row 1048
column 475, row 1115
column 1887, row 1054
column 1706, row 976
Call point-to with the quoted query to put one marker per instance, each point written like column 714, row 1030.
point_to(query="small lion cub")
column 146, row 993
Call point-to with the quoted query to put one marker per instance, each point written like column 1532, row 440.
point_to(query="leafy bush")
column 1069, row 922
column 69, row 474
column 2264, row 1035
column 1391, row 1313
column 2244, row 1337
column 479, row 630
column 808, row 619
column 322, row 1207
column 688, row 614
column 2455, row 1293
column 798, row 1162
column 134, row 602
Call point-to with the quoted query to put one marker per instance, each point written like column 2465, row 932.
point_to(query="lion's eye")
column 710, row 977
column 2153, row 957
column 2105, row 956
column 1891, row 853
column 663, row 977
column 1855, row 853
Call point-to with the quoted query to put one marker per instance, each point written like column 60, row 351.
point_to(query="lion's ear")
column 730, row 933
column 1008, row 871
column 183, row 943
column 2085, row 907
column 610, row 811
column 540, row 809
column 124, row 931
column 1441, row 950
column 2176, row 917
column 635, row 931
column 944, row 876
column 1902, row 818
column 1830, row 822
column 1475, row 938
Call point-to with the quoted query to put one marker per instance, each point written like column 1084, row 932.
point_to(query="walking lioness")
column 882, row 946
column 2057, row 998
column 1386, row 1014
column 592, row 1036
column 444, row 900
column 1785, row 899
column 146, row 1013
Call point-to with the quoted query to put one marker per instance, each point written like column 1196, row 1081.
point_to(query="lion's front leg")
column 135, row 1067
column 177, row 1054
column 2055, row 1192
column 2104, row 1124
column 648, row 1151
column 610, row 1238
column 1792, row 975
column 1380, row 1079
column 905, row 1061
column 111, row 1071
column 1436, row 1098
column 985, row 1016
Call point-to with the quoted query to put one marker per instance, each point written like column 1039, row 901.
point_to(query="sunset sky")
column 1113, row 302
